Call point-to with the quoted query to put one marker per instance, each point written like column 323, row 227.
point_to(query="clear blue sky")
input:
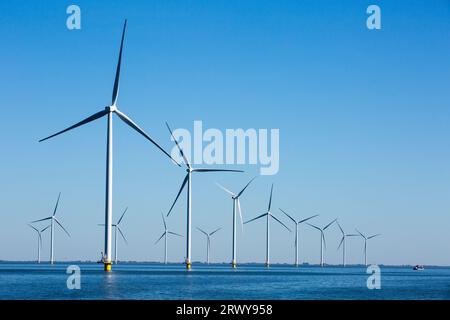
column 363, row 118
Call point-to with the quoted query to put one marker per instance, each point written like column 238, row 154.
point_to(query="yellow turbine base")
column 188, row 265
column 107, row 266
column 233, row 264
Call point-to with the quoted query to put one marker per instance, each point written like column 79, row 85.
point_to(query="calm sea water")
column 154, row 281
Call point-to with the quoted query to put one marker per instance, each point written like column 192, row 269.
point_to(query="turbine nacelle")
column 112, row 108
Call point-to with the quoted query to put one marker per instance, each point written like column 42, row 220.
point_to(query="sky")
column 362, row 115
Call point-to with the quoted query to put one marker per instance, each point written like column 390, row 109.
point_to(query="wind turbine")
column 322, row 238
column 365, row 243
column 208, row 241
column 188, row 180
column 39, row 232
column 165, row 233
column 297, row 239
column 53, row 219
column 236, row 206
column 269, row 215
column 343, row 242
column 117, row 228
column 109, row 111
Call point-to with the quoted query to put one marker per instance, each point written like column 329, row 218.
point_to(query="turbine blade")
column 225, row 189
column 238, row 203
column 270, row 199
column 121, row 233
column 87, row 120
column 311, row 225
column 215, row 170
column 204, row 232
column 214, row 231
column 329, row 224
column 342, row 241
column 309, row 218
column 324, row 242
column 279, row 221
column 242, row 191
column 57, row 221
column 125, row 211
column 175, row 234
column 164, row 222
column 46, row 228
column 375, row 235
column 258, row 217
column 133, row 125
column 343, row 233
column 116, row 80
column 160, row 237
column 186, row 162
column 34, row 228
column 41, row 220
column 288, row 215
column 179, row 192
column 56, row 206
column 360, row 234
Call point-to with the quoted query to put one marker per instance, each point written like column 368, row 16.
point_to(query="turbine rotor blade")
column 329, row 224
column 225, row 189
column 270, row 199
column 215, row 170
column 179, row 192
column 360, row 234
column 375, row 235
column 214, row 231
column 311, row 225
column 343, row 233
column 116, row 80
column 186, row 162
column 56, row 206
column 164, row 222
column 279, row 221
column 288, row 215
column 204, row 232
column 238, row 204
column 258, row 217
column 125, row 211
column 41, row 220
column 309, row 218
column 46, row 228
column 133, row 125
column 324, row 242
column 57, row 221
column 164, row 233
column 175, row 234
column 242, row 191
column 342, row 241
column 87, row 120
column 121, row 233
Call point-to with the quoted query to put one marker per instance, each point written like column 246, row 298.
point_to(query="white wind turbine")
column 53, row 219
column 109, row 111
column 343, row 243
column 365, row 243
column 236, row 207
column 188, row 180
column 165, row 234
column 297, row 239
column 323, row 244
column 39, row 233
column 268, row 215
column 208, row 241
column 117, row 228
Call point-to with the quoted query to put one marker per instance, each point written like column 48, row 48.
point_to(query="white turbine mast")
column 236, row 207
column 109, row 111
column 188, row 181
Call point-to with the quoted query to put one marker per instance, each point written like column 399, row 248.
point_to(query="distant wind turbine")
column 236, row 207
column 117, row 228
column 365, row 243
column 343, row 242
column 53, row 219
column 165, row 233
column 109, row 111
column 187, row 180
column 297, row 239
column 39, row 233
column 208, row 241
column 268, row 215
column 322, row 238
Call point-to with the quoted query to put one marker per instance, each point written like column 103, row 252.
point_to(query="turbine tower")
column 365, row 244
column 323, row 244
column 165, row 233
column 53, row 219
column 297, row 239
column 343, row 243
column 109, row 111
column 208, row 241
column 187, row 181
column 117, row 228
column 236, row 207
column 39, row 233
column 268, row 214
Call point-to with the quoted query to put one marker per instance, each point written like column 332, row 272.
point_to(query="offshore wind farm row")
column 110, row 227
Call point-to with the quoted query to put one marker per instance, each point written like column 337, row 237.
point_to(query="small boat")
column 418, row 268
